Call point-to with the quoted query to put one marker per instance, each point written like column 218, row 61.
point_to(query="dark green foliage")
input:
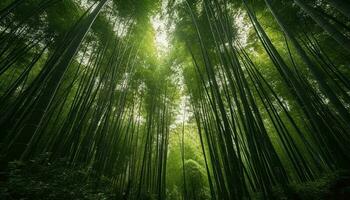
column 165, row 99
column 331, row 186
column 41, row 179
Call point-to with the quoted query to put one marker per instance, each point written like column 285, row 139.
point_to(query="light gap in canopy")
column 163, row 29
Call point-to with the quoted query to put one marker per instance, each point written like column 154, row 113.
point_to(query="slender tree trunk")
column 331, row 30
column 342, row 5
column 10, row 8
column 318, row 74
column 33, row 121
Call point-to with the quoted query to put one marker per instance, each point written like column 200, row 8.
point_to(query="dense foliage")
column 174, row 99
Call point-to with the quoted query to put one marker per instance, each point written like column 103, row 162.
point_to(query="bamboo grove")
column 246, row 100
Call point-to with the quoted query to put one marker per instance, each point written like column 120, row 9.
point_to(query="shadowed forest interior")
column 174, row 99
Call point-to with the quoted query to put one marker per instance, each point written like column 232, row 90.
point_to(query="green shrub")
column 41, row 179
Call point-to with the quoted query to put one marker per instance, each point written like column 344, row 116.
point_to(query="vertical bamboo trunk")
column 318, row 74
column 342, row 5
column 33, row 121
column 331, row 30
